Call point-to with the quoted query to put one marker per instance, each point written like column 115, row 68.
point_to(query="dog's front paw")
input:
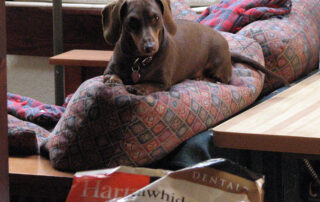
column 112, row 79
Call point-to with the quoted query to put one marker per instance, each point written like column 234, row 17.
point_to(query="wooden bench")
column 32, row 178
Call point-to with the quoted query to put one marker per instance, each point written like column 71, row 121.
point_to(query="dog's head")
column 142, row 20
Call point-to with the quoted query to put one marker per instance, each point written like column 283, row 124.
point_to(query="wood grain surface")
column 34, row 165
column 288, row 122
column 87, row 58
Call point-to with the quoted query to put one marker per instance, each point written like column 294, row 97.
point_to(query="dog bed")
column 107, row 126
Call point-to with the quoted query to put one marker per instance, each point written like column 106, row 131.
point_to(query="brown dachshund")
column 151, row 47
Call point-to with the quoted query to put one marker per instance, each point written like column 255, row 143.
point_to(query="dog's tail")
column 237, row 57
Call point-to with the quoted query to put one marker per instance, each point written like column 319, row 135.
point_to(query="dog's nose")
column 149, row 46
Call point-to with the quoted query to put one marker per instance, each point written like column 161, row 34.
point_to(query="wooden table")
column 32, row 178
column 81, row 65
column 287, row 128
column 288, row 122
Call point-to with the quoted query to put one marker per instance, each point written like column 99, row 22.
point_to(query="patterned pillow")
column 25, row 138
column 290, row 45
column 181, row 10
column 107, row 126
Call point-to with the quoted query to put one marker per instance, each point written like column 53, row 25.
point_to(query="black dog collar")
column 138, row 63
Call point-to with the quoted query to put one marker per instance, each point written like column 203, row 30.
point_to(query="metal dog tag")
column 135, row 75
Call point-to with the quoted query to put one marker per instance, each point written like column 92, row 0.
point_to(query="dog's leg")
column 109, row 77
column 219, row 65
column 219, row 69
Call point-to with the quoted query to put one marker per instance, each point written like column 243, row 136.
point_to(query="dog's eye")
column 133, row 23
column 155, row 19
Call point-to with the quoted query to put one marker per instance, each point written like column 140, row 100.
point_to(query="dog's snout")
column 149, row 46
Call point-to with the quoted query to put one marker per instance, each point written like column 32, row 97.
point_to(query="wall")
column 31, row 76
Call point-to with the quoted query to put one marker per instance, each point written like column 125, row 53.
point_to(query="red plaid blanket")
column 232, row 15
column 32, row 110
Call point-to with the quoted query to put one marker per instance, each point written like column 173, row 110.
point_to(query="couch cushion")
column 107, row 126
column 290, row 44
column 25, row 138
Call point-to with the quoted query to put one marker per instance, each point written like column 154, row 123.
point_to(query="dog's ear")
column 111, row 21
column 167, row 16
